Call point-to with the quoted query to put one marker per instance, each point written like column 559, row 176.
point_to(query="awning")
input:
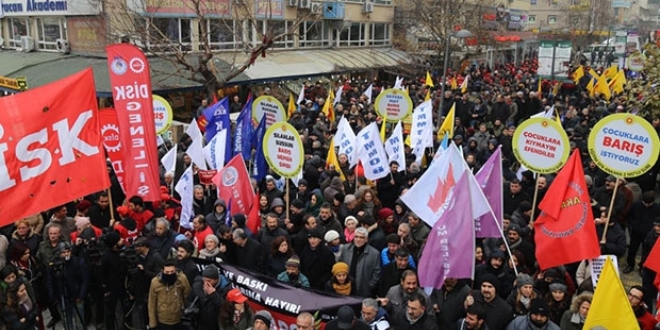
column 511, row 36
column 42, row 68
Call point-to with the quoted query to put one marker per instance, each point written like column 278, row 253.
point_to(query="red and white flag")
column 130, row 79
column 112, row 143
column 234, row 186
column 50, row 147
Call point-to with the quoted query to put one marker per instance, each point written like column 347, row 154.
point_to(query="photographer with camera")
column 147, row 265
column 206, row 299
column 45, row 253
column 113, row 273
column 167, row 297
column 67, row 280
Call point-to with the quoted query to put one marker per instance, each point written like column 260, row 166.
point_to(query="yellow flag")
column 602, row 88
column 447, row 125
column 327, row 106
column 332, row 160
column 539, row 90
column 594, row 74
column 618, row 82
column 292, row 105
column 610, row 308
column 407, row 141
column 590, row 87
column 428, row 95
column 407, row 90
column 579, row 73
column 464, row 85
column 429, row 81
column 454, row 84
column 383, row 127
column 611, row 72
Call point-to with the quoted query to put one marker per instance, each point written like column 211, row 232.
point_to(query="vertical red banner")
column 131, row 91
column 112, row 143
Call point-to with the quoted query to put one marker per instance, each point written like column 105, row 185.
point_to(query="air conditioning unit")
column 316, row 8
column 334, row 10
column 368, row 8
column 27, row 43
column 63, row 46
column 293, row 3
column 305, row 4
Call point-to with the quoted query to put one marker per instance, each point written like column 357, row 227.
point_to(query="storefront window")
column 380, row 34
column 281, row 28
column 353, row 35
column 313, row 34
column 50, row 29
column 19, row 27
column 169, row 34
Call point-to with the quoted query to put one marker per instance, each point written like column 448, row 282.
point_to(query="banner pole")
column 536, row 194
column 609, row 211
column 112, row 208
column 287, row 198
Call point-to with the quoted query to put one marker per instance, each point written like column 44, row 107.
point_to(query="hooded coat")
column 215, row 219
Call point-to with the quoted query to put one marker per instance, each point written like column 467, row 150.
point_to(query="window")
column 552, row 20
column 574, row 19
column 168, row 34
column 50, row 29
column 19, row 27
column 531, row 19
column 313, row 34
column 221, row 33
column 353, row 35
column 380, row 34
column 382, row 2
column 281, row 28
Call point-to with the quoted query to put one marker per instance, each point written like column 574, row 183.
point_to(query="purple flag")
column 450, row 247
column 489, row 178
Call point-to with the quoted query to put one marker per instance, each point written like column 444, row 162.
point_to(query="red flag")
column 233, row 184
column 653, row 260
column 50, row 147
column 130, row 78
column 254, row 220
column 566, row 218
column 112, row 143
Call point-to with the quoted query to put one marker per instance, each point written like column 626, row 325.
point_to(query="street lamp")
column 461, row 34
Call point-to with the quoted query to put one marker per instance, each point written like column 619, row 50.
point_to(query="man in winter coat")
column 316, row 260
column 537, row 318
column 167, row 297
column 363, row 261
column 218, row 216
column 207, row 296
column 415, row 317
column 498, row 312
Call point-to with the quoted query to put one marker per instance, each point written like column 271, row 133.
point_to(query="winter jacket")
column 214, row 219
column 367, row 269
column 166, row 303
column 523, row 323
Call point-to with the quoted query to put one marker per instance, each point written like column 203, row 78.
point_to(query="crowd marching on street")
column 117, row 262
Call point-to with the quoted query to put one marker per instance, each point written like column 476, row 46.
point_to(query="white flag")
column 368, row 92
column 429, row 200
column 421, row 131
column 346, row 141
column 185, row 188
column 214, row 152
column 340, row 91
column 395, row 148
column 301, row 96
column 169, row 160
column 550, row 113
column 371, row 153
column 193, row 130
column 159, row 141
column 196, row 153
column 398, row 82
column 297, row 178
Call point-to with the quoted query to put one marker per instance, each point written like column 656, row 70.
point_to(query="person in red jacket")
column 200, row 230
column 636, row 299
column 138, row 212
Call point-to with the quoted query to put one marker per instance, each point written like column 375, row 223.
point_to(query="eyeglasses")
column 630, row 295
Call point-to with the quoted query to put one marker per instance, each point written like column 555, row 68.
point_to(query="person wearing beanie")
column 558, row 301
column 537, row 318
column 386, row 221
column 208, row 293
column 498, row 312
column 521, row 298
column 496, row 265
column 262, row 320
column 340, row 283
column 333, row 241
column 316, row 259
column 83, row 208
column 350, row 224
column 292, row 274
column 388, row 254
column 346, row 320
column 515, row 238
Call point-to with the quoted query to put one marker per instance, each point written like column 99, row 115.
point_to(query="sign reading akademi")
column 50, row 7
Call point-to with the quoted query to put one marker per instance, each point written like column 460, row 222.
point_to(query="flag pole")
column 609, row 211
column 287, row 198
column 112, row 208
column 536, row 194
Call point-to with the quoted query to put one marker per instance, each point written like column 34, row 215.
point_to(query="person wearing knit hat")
column 537, row 318
column 330, row 236
column 498, row 312
column 292, row 274
column 340, row 283
column 558, row 300
column 82, row 223
column 350, row 224
column 262, row 320
column 83, row 207
column 521, row 298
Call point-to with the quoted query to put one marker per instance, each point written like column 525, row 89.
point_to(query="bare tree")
column 243, row 30
column 587, row 19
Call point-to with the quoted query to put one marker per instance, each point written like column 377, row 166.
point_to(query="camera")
column 131, row 258
column 56, row 264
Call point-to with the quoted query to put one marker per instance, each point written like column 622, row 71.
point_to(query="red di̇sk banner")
column 234, row 185
column 112, row 144
column 131, row 91
column 50, row 147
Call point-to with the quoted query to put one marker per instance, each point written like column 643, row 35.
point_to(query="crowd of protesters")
column 132, row 267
